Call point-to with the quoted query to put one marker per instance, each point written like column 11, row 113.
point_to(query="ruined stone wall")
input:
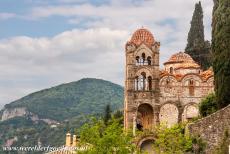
column 212, row 128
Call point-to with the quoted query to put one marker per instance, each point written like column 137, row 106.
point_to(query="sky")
column 44, row 43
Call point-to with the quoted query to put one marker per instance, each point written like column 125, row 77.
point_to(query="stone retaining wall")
column 211, row 128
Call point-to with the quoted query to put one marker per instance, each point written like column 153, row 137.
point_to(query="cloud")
column 29, row 64
column 5, row 15
column 96, row 47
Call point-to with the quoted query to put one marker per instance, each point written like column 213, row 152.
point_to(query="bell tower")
column 141, row 104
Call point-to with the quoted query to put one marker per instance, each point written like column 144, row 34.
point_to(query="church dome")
column 179, row 58
column 182, row 60
column 142, row 36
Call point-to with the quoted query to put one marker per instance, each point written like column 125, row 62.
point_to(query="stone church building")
column 153, row 95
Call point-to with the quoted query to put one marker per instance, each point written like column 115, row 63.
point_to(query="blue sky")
column 44, row 43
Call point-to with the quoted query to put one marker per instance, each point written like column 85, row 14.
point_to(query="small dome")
column 188, row 65
column 179, row 58
column 142, row 36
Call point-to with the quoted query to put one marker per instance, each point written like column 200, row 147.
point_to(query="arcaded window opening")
column 143, row 83
column 142, row 60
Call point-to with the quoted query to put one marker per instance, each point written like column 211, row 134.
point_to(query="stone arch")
column 196, row 78
column 191, row 84
column 145, row 144
column 144, row 116
column 169, row 114
column 143, row 56
column 164, row 79
column 141, row 49
column 146, row 70
column 190, row 111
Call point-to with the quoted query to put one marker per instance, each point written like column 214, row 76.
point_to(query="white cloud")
column 5, row 15
column 29, row 64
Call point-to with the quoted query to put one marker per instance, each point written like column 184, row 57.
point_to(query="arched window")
column 150, row 83
column 137, row 60
column 136, row 83
column 143, row 58
column 191, row 87
column 143, row 81
column 149, row 60
column 171, row 70
column 167, row 82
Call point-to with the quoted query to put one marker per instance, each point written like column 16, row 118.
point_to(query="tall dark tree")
column 107, row 114
column 197, row 47
column 221, row 51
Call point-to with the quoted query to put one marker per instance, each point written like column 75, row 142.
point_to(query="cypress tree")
column 221, row 51
column 197, row 47
column 107, row 114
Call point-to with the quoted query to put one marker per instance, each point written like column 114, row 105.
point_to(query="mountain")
column 46, row 115
column 86, row 96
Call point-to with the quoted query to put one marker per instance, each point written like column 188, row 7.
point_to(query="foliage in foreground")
column 105, row 138
column 172, row 140
column 208, row 105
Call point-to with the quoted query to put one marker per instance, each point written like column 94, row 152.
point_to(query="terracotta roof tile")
column 180, row 57
column 208, row 73
column 142, row 36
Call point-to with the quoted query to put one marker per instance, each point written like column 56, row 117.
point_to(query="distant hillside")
column 86, row 96
column 68, row 105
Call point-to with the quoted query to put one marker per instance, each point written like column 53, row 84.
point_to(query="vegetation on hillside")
column 221, row 51
column 84, row 97
column 72, row 104
column 197, row 47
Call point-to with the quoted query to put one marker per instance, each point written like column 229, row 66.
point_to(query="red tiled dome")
column 183, row 60
column 142, row 36
column 180, row 57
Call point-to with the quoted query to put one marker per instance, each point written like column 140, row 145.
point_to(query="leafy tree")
column 107, row 114
column 197, row 47
column 105, row 139
column 172, row 140
column 221, row 51
column 208, row 105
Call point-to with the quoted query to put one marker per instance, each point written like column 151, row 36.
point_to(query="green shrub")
column 172, row 140
column 208, row 105
column 105, row 138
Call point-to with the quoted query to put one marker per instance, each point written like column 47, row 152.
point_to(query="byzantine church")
column 153, row 95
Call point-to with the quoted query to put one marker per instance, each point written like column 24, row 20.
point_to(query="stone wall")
column 211, row 128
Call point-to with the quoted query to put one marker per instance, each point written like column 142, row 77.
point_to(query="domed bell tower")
column 141, row 104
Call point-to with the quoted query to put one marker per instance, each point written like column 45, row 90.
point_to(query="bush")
column 172, row 140
column 208, row 105
column 105, row 138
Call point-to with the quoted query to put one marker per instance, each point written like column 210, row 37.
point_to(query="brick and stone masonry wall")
column 211, row 128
